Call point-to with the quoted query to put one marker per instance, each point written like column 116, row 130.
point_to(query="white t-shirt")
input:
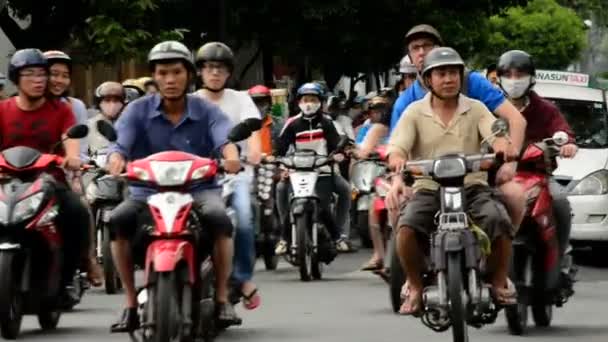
column 238, row 106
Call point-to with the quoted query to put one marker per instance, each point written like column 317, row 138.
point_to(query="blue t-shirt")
column 362, row 133
column 478, row 88
column 143, row 130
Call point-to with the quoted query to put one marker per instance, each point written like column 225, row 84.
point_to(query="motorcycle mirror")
column 500, row 128
column 105, row 128
column 78, row 132
column 240, row 132
column 560, row 138
column 253, row 124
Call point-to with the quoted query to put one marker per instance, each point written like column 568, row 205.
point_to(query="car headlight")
column 170, row 173
column 449, row 168
column 27, row 207
column 594, row 184
column 3, row 213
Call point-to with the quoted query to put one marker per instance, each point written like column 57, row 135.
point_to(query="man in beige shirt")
column 445, row 122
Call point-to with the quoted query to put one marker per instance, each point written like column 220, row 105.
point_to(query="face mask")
column 110, row 109
column 309, row 108
column 515, row 89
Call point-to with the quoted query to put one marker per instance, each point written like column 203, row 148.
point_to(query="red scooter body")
column 171, row 207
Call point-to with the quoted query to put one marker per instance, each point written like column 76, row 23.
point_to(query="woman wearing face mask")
column 271, row 124
column 60, row 72
column 110, row 101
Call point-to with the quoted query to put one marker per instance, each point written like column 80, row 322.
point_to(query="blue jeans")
column 244, row 238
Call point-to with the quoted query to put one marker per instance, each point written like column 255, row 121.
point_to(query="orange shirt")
column 266, row 135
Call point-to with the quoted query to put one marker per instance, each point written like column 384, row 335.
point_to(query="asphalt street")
column 347, row 305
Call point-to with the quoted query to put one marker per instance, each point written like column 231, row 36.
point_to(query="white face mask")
column 309, row 108
column 515, row 89
column 110, row 109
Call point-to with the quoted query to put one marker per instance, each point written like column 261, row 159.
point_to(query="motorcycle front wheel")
column 11, row 311
column 458, row 312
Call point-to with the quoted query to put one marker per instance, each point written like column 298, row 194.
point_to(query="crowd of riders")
column 421, row 117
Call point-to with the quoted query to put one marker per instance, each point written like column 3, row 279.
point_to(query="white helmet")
column 406, row 66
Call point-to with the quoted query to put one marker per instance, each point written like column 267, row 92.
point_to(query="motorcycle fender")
column 298, row 207
column 363, row 203
column 453, row 242
column 165, row 255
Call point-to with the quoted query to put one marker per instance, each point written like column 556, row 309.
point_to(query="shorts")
column 127, row 218
column 485, row 208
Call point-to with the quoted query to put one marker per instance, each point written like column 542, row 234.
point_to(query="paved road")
column 347, row 306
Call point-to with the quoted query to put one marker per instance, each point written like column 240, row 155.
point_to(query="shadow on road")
column 39, row 334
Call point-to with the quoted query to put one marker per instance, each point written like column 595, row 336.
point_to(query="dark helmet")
column 170, row 50
column 310, row 89
column 441, row 56
column 55, row 56
column 515, row 59
column 23, row 59
column 215, row 52
column 423, row 30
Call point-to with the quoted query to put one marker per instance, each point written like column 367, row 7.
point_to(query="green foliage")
column 553, row 34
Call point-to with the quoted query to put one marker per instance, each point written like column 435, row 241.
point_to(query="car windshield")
column 587, row 119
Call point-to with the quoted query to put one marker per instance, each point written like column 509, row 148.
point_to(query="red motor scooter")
column 31, row 245
column 177, row 301
column 535, row 266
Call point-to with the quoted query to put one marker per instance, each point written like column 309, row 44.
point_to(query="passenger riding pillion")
column 110, row 98
column 271, row 123
column 215, row 60
column 516, row 76
column 430, row 128
column 312, row 130
column 167, row 121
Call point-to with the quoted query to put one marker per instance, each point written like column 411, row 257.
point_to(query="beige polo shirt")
column 421, row 134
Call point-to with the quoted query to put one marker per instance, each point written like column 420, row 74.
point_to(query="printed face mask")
column 515, row 89
column 309, row 108
column 110, row 109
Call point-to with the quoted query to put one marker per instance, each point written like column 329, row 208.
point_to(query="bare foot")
column 413, row 300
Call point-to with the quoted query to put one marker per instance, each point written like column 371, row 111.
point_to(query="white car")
column 585, row 177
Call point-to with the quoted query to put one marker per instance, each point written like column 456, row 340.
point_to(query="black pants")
column 73, row 221
column 563, row 222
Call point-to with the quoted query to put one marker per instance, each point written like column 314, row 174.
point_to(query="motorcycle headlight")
column 265, row 196
column 268, row 181
column 27, row 207
column 3, row 213
column 594, row 184
column 170, row 173
column 449, row 168
column 269, row 174
column 267, row 188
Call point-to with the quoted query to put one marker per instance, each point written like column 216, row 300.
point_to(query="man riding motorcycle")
column 215, row 61
column 271, row 124
column 110, row 100
column 432, row 128
column 173, row 120
column 419, row 41
column 516, row 76
column 33, row 120
column 312, row 130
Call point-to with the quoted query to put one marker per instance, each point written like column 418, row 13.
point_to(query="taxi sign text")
column 562, row 77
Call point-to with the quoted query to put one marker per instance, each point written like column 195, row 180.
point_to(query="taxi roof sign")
column 562, row 77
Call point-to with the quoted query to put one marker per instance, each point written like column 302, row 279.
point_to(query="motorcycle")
column 455, row 293
column 535, row 266
column 266, row 215
column 363, row 175
column 311, row 243
column 104, row 193
column 31, row 245
column 177, row 302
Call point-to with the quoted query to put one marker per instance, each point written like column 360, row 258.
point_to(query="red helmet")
column 259, row 91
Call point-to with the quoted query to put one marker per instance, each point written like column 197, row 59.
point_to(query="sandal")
column 505, row 296
column 226, row 315
column 373, row 266
column 252, row 300
column 128, row 322
column 411, row 306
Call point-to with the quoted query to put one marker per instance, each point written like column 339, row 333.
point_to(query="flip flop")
column 252, row 300
column 372, row 266
column 415, row 305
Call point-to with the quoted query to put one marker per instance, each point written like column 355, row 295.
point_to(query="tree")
column 553, row 34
